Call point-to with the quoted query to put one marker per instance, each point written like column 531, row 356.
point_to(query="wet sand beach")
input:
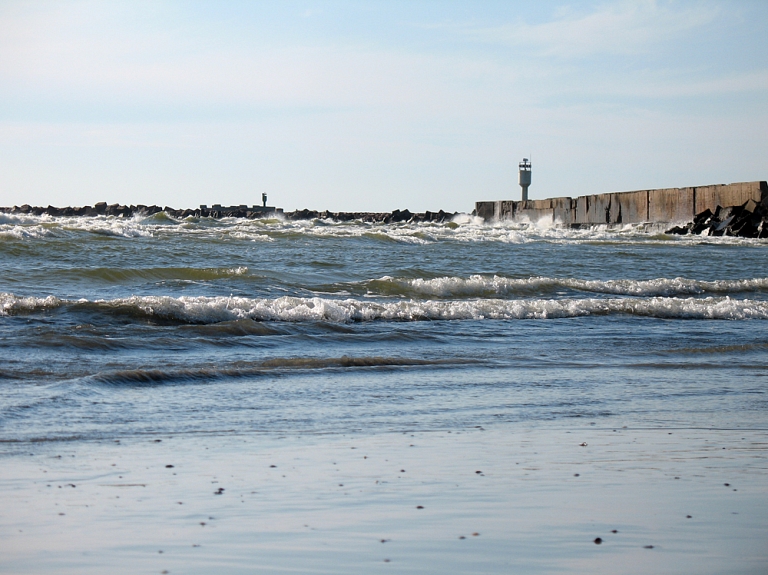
column 541, row 499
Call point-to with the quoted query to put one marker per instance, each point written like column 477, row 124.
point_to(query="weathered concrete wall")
column 709, row 197
column 671, row 205
column 662, row 205
column 630, row 207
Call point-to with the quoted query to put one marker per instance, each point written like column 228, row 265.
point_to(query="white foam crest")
column 10, row 302
column 112, row 226
column 29, row 227
column 21, row 232
column 17, row 219
column 463, row 219
column 401, row 233
column 253, row 236
column 478, row 285
column 296, row 309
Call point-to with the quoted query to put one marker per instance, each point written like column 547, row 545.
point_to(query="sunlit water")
column 445, row 349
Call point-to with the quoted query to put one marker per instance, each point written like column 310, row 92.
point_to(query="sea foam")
column 462, row 228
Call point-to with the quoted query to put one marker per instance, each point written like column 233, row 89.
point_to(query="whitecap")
column 202, row 309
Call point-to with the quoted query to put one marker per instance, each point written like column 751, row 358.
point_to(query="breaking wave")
column 205, row 310
column 485, row 286
column 462, row 228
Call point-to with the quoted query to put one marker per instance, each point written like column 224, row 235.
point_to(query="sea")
column 236, row 396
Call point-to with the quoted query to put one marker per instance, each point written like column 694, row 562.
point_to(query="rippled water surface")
column 125, row 330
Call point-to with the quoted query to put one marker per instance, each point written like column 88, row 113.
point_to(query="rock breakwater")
column 749, row 220
column 128, row 211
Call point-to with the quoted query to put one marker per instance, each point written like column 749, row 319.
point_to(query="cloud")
column 79, row 55
column 623, row 28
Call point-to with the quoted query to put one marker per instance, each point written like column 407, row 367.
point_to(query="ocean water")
column 466, row 352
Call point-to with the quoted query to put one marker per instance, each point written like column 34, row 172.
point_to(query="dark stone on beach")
column 168, row 466
column 598, row 541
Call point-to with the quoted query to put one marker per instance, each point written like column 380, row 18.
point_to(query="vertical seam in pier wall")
column 647, row 205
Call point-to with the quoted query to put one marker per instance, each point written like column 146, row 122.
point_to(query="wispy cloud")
column 623, row 28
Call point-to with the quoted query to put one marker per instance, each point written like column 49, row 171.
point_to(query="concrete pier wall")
column 666, row 205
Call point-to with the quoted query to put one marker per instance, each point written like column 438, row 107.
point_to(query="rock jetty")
column 126, row 211
column 383, row 217
column 749, row 220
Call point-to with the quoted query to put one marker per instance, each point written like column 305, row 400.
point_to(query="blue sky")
column 376, row 105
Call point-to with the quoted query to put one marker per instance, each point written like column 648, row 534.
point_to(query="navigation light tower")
column 524, row 177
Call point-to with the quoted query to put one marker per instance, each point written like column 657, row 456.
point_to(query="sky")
column 376, row 106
